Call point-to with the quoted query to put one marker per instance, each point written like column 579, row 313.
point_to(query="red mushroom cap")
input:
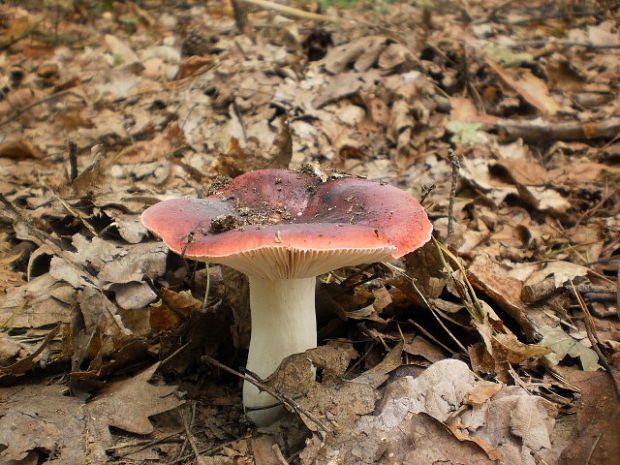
column 286, row 224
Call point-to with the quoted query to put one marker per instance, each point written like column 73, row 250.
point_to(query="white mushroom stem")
column 283, row 323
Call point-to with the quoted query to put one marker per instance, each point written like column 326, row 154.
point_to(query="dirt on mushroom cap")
column 286, row 209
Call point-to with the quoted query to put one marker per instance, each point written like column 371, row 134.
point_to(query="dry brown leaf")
column 129, row 403
column 460, row 432
column 488, row 276
column 508, row 429
column 597, row 421
column 378, row 374
column 509, row 348
column 42, row 417
column 482, row 392
column 422, row 348
column 265, row 451
column 518, row 424
column 531, row 88
column 63, row 432
column 33, row 304
column 19, row 149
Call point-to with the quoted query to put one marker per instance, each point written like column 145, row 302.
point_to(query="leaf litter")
column 479, row 348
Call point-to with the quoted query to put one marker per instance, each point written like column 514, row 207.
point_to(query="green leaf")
column 507, row 56
column 563, row 344
column 464, row 133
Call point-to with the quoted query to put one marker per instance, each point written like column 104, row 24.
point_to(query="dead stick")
column 49, row 98
column 190, row 436
column 295, row 12
column 260, row 384
column 541, row 129
column 454, row 163
column 241, row 14
column 618, row 293
column 594, row 340
column 544, row 43
column 73, row 164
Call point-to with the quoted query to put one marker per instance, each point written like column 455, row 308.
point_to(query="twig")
column 174, row 354
column 360, row 359
column 618, row 293
column 206, row 452
column 540, row 129
column 295, row 12
column 75, row 213
column 190, row 436
column 429, row 335
column 426, row 191
column 49, row 98
column 454, row 163
column 431, row 308
column 141, row 445
column 260, row 384
column 240, row 12
column 561, row 43
column 239, row 117
column 540, row 18
column 73, row 161
column 465, row 70
column 593, row 448
column 592, row 210
column 593, row 337
column 473, row 297
column 278, row 453
column 23, row 365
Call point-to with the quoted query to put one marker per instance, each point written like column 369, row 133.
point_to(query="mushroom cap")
column 279, row 224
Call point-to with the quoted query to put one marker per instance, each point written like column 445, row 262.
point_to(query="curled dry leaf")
column 506, row 425
column 70, row 424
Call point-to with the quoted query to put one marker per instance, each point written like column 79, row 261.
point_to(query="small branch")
column 454, row 164
column 206, row 452
column 540, row 18
column 25, row 364
column 73, row 161
column 49, row 98
column 241, row 15
column 190, row 436
column 433, row 311
column 593, row 337
column 239, row 117
column 295, row 12
column 561, row 43
column 260, row 384
column 618, row 293
column 540, row 129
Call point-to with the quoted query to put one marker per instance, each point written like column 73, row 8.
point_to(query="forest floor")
column 498, row 342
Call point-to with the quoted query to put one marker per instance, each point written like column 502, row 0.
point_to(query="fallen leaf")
column 563, row 344
column 144, row 398
column 531, row 88
column 598, row 429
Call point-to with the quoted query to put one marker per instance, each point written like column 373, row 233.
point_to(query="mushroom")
column 282, row 229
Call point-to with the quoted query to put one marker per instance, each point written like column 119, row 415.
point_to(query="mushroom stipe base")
column 283, row 323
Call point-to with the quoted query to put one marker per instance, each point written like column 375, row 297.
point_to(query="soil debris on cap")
column 223, row 223
column 219, row 184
